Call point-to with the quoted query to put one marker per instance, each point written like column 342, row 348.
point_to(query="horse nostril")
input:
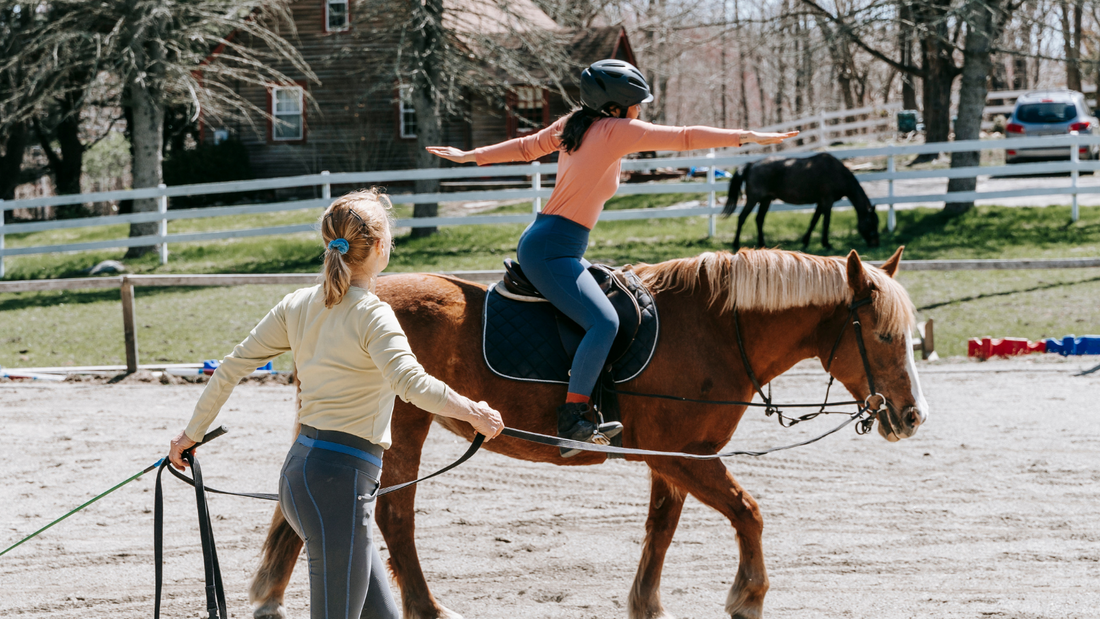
column 912, row 417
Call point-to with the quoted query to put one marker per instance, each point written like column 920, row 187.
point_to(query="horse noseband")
column 875, row 404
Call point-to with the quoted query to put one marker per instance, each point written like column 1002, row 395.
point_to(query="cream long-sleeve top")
column 589, row 176
column 352, row 360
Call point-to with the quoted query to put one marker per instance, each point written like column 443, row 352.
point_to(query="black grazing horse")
column 821, row 180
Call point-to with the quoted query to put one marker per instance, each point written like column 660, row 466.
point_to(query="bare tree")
column 1071, row 40
column 450, row 55
column 985, row 20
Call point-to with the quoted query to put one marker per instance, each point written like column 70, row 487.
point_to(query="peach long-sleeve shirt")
column 589, row 176
column 351, row 359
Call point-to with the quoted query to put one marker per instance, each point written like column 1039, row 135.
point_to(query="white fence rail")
column 536, row 193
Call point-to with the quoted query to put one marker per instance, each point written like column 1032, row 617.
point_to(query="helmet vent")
column 600, row 82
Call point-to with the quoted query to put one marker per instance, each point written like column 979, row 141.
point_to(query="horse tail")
column 734, row 194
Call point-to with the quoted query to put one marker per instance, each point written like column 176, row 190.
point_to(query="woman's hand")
column 452, row 154
column 752, row 137
column 179, row 445
column 480, row 415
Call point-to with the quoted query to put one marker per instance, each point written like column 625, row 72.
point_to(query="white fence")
column 880, row 119
column 816, row 131
column 536, row 193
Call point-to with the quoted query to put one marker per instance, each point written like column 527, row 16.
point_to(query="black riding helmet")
column 613, row 81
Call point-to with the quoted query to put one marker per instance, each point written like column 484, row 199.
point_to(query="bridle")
column 874, row 404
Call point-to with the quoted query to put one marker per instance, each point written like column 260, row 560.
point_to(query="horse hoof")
column 270, row 610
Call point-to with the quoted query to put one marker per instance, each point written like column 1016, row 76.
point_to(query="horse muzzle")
column 894, row 426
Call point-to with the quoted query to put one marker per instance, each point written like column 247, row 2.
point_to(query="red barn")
column 357, row 121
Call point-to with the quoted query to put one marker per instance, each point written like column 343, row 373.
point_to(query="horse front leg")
column 280, row 553
column 666, row 502
column 813, row 224
column 761, row 212
column 396, row 514
column 711, row 483
column 741, row 217
column 828, row 208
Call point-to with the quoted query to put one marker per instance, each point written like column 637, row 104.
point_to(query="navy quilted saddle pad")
column 522, row 340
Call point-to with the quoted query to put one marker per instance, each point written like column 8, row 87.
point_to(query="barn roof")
column 491, row 17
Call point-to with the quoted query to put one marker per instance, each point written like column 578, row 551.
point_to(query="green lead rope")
column 213, row 434
column 93, row 500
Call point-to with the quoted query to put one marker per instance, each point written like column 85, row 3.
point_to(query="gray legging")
column 551, row 252
column 326, row 491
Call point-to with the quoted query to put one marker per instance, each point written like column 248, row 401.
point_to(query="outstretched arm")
column 527, row 148
column 267, row 341
column 636, row 136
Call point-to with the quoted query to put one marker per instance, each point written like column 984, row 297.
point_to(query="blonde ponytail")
column 350, row 228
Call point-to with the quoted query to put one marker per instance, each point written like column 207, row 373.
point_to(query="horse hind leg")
column 711, row 483
column 280, row 553
column 666, row 502
column 395, row 515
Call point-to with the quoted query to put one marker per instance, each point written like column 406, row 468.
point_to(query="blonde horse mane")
column 771, row 280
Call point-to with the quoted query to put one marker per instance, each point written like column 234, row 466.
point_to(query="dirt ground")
column 990, row 511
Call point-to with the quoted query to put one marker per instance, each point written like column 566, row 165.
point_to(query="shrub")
column 208, row 163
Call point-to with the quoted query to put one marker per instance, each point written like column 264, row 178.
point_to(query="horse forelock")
column 773, row 280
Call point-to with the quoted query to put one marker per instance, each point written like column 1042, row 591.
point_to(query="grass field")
column 191, row 324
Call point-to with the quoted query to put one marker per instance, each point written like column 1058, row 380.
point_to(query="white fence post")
column 1075, row 157
column 711, row 202
column 821, row 129
column 536, row 184
column 1, row 238
column 891, row 216
column 162, row 227
column 326, row 188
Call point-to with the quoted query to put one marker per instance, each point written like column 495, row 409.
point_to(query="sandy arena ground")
column 990, row 511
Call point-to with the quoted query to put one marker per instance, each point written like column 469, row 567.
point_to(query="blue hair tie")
column 339, row 245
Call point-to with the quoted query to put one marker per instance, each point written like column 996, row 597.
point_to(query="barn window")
column 287, row 111
column 529, row 110
column 406, row 114
column 336, row 15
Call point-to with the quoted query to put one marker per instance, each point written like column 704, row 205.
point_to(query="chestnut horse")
column 792, row 307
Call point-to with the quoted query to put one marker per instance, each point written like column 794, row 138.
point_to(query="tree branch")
column 846, row 31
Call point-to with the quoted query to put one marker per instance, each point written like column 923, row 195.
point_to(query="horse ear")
column 857, row 279
column 891, row 265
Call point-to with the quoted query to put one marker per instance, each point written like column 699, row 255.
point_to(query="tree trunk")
column 940, row 72
column 67, row 165
column 743, row 95
column 428, row 40
column 148, row 140
column 11, row 163
column 905, row 43
column 984, row 22
column 1071, row 42
column 781, row 68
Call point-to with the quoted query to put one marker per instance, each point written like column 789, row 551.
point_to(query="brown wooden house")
column 350, row 122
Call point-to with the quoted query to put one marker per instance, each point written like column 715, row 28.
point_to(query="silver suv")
column 1056, row 112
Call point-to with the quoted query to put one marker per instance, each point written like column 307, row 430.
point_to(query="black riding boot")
column 574, row 424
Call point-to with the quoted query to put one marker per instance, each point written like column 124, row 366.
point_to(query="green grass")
column 191, row 324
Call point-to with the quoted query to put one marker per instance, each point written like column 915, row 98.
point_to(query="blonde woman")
column 352, row 358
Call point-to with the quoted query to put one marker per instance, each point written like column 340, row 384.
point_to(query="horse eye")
column 886, row 338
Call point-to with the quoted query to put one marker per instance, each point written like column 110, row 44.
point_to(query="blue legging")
column 327, row 493
column 551, row 252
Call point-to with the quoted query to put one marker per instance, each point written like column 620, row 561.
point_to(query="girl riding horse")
column 590, row 141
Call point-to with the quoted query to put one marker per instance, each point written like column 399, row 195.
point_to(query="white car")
column 1054, row 112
